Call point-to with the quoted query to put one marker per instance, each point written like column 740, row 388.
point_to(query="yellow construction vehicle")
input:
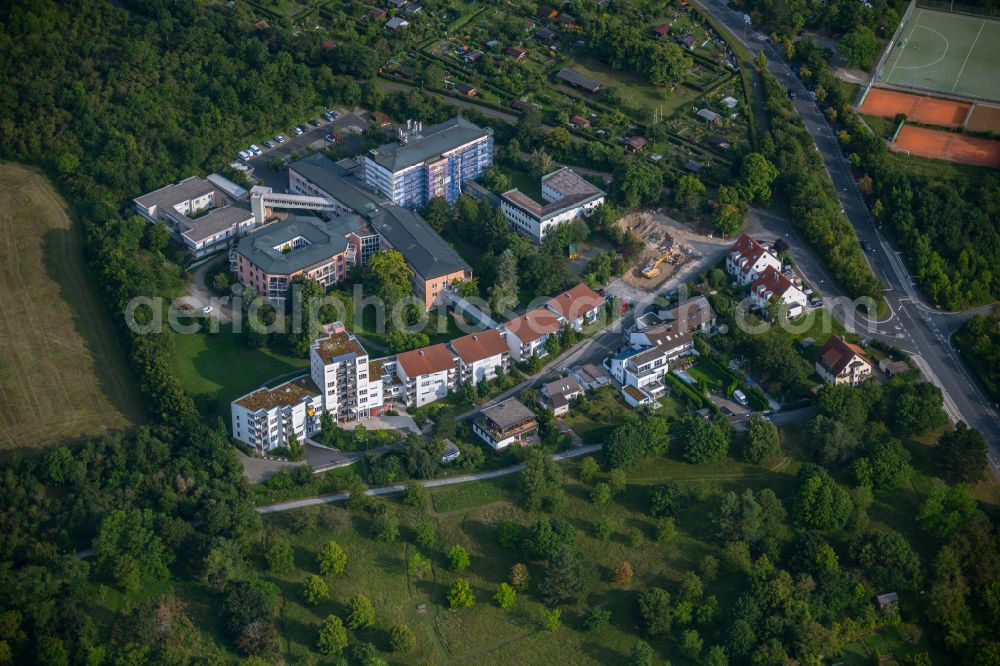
column 652, row 269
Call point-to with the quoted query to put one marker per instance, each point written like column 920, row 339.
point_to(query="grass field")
column 636, row 92
column 217, row 368
column 62, row 373
column 949, row 53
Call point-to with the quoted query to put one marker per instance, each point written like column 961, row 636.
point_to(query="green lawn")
column 217, row 368
column 607, row 409
column 636, row 92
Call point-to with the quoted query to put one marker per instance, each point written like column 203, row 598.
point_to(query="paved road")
column 912, row 325
column 432, row 483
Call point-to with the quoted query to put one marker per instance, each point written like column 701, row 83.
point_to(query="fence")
column 959, row 8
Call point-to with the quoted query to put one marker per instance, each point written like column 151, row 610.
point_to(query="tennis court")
column 984, row 119
column 917, row 108
column 948, row 53
column 942, row 145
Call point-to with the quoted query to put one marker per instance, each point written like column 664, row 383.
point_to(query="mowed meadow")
column 62, row 374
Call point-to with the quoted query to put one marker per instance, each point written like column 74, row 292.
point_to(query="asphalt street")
column 911, row 324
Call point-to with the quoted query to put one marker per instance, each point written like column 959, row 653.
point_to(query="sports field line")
column 982, row 24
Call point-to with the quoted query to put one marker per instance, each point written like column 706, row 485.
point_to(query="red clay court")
column 941, row 145
column 918, row 108
column 985, row 119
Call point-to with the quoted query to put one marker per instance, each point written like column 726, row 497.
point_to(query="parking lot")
column 347, row 125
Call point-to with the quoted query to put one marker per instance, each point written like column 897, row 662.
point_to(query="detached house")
column 579, row 306
column 560, row 393
column 526, row 335
column 642, row 368
column 747, row 259
column 427, row 374
column 840, row 362
column 505, row 423
column 481, row 355
column 672, row 331
column 773, row 286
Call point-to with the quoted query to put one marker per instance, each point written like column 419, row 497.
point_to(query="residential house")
column 515, row 53
column 465, row 89
column 687, row 41
column 579, row 121
column 427, row 374
column 545, row 35
column 559, row 393
column 709, row 116
column 591, row 376
column 635, row 145
column 694, row 315
column 578, row 306
column 397, row 23
column 526, row 335
column 636, row 397
column 661, row 31
column 575, row 78
column 451, row 452
column 840, row 362
column 266, row 419
column 643, row 368
column 773, row 286
column 506, row 423
column 747, row 259
column 481, row 355
column 566, row 197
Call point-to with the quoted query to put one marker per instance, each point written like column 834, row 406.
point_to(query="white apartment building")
column 339, row 367
column 201, row 215
column 266, row 418
column 566, row 197
column 427, row 374
column 771, row 286
column 480, row 355
column 526, row 335
column 578, row 307
column 747, row 259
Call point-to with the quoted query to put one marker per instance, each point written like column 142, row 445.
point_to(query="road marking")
column 981, row 26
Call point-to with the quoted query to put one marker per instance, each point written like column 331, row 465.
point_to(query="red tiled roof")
column 662, row 30
column 576, row 302
column 427, row 360
column 774, row 281
column 748, row 248
column 477, row 346
column 837, row 353
column 532, row 325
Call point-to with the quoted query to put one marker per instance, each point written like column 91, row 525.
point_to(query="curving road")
column 912, row 325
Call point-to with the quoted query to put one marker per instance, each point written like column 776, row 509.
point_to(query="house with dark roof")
column 376, row 14
column 709, row 116
column 747, row 259
column 526, row 335
column 427, row 374
column 481, row 355
column 506, row 423
column 521, row 105
column 687, row 41
column 717, row 141
column 575, row 78
column 673, row 331
column 397, row 23
column 694, row 166
column 579, row 121
column 635, row 145
column 566, row 21
column 515, row 52
column 840, row 362
column 578, row 306
column 465, row 89
column 545, row 35
column 560, row 393
column 405, row 72
column 426, row 163
column 546, row 12
column 642, row 368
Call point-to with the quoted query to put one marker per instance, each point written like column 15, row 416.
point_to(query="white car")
column 256, row 149
column 280, row 138
column 297, row 131
column 207, row 309
column 244, row 155
column 329, row 137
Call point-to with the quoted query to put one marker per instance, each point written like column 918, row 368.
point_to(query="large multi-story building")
column 481, row 355
column 427, row 163
column 202, row 215
column 267, row 418
column 566, row 197
column 339, row 366
column 526, row 335
column 427, row 374
column 747, row 259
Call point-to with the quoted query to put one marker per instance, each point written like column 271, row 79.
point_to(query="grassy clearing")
column 636, row 93
column 216, row 368
column 607, row 409
column 63, row 375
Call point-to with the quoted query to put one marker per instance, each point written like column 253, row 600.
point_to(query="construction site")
column 664, row 254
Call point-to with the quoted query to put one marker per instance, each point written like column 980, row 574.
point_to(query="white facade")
column 748, row 259
column 643, row 369
column 339, row 367
column 426, row 388
column 266, row 418
column 534, row 226
column 482, row 370
column 497, row 444
column 793, row 297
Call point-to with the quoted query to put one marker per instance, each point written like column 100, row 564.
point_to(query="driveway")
column 401, row 422
column 197, row 290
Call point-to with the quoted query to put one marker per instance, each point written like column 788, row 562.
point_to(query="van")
column 740, row 397
column 255, row 149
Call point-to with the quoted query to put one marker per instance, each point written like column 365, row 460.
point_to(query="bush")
column 402, row 638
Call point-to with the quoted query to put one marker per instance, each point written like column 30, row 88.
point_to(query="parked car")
column 244, row 155
column 740, row 397
column 333, row 115
column 330, row 138
column 280, row 138
column 255, row 149
column 317, row 122
column 269, row 144
column 297, row 131
column 327, row 115
column 207, row 309
column 868, row 247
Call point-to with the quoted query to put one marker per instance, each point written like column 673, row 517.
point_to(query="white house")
column 427, row 374
column 480, row 355
column 772, row 286
column 566, row 197
column 339, row 365
column 505, row 423
column 266, row 418
column 579, row 306
column 526, row 335
column 559, row 393
column 747, row 259
column 840, row 362
column 641, row 368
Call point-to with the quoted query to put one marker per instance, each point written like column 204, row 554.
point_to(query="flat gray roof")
column 216, row 221
column 173, row 194
column 431, row 143
column 325, row 239
column 577, row 79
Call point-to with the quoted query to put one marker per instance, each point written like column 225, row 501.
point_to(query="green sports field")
column 948, row 53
